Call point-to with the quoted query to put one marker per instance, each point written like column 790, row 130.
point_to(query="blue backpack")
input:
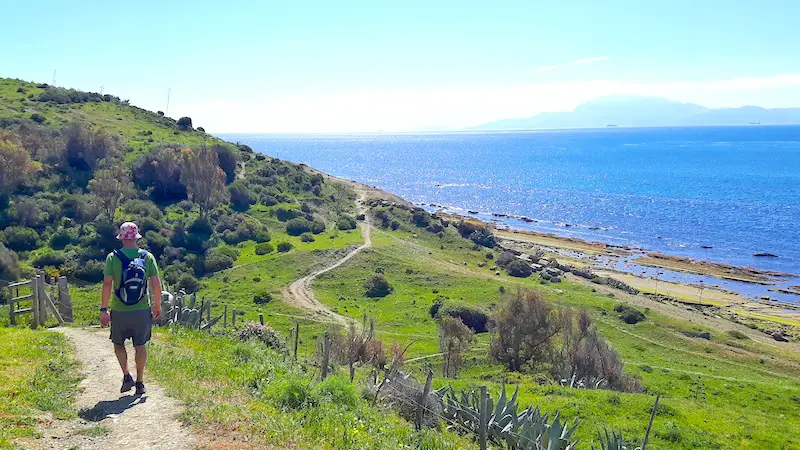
column 133, row 285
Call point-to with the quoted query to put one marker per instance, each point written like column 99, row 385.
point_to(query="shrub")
column 336, row 390
column 505, row 258
column 90, row 271
column 483, row 237
column 519, row 268
column 455, row 339
column 201, row 129
column 284, row 214
column 317, row 226
column 262, row 298
column 284, row 247
column 524, row 328
column 269, row 200
column 264, row 248
column 185, row 123
column 378, row 286
column 20, row 239
column 394, row 225
column 60, row 239
column 307, row 237
column 489, row 255
column 346, row 223
column 292, row 392
column 9, row 264
column 188, row 283
column 472, row 317
column 216, row 261
column 38, row 118
column 53, row 259
column 262, row 333
column 629, row 314
column 296, row 227
column 241, row 196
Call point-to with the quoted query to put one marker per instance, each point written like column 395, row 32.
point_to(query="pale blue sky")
column 251, row 66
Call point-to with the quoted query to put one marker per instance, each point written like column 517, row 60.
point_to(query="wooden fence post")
column 35, row 300
column 208, row 310
column 233, row 318
column 12, row 306
column 225, row 317
column 261, row 318
column 650, row 425
column 42, row 300
column 484, row 416
column 64, row 300
column 296, row 338
column 326, row 354
column 423, row 399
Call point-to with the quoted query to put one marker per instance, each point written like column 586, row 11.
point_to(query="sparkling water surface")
column 671, row 190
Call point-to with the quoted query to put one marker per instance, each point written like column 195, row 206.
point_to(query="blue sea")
column 670, row 190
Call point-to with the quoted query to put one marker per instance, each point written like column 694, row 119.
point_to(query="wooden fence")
column 43, row 299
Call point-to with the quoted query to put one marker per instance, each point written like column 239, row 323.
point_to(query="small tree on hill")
column 15, row 163
column 524, row 329
column 378, row 286
column 204, row 180
column 185, row 123
column 110, row 185
column 455, row 338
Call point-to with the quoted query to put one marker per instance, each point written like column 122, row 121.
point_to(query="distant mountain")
column 637, row 111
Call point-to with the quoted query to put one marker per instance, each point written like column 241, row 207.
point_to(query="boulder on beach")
column 778, row 336
column 765, row 255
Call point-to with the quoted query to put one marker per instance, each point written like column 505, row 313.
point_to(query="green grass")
column 39, row 381
column 752, row 392
column 248, row 390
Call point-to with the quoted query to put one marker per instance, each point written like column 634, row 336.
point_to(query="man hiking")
column 126, row 275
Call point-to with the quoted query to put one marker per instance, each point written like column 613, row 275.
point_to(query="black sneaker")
column 140, row 390
column 127, row 384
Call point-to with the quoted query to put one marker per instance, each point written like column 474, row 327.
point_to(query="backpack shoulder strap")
column 124, row 259
column 143, row 253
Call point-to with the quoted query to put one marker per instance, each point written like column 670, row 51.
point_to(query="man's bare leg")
column 122, row 357
column 141, row 360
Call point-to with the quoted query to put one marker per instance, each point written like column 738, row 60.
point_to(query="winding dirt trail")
column 300, row 294
column 109, row 419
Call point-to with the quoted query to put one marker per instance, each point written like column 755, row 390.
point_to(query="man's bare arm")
column 155, row 285
column 108, row 283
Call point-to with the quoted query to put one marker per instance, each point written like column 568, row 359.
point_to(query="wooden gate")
column 57, row 301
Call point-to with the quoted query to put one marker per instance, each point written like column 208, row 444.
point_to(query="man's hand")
column 105, row 318
column 156, row 310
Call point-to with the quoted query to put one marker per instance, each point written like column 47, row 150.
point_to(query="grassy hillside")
column 727, row 389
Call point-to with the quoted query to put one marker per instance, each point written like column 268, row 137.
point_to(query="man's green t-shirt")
column 113, row 268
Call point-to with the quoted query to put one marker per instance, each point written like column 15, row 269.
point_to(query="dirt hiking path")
column 108, row 419
column 300, row 294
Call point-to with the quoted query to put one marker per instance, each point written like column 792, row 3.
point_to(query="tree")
column 110, row 185
column 15, row 163
column 524, row 328
column 227, row 161
column 455, row 338
column 185, row 123
column 378, row 286
column 204, row 180
column 86, row 148
column 9, row 264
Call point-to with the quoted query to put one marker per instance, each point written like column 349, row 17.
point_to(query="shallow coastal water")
column 670, row 190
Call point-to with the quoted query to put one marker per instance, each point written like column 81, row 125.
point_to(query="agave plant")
column 528, row 430
column 611, row 441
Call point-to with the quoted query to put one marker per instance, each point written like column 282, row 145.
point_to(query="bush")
column 60, row 239
column 284, row 214
column 505, row 258
column 519, row 268
column 264, row 248
column 489, row 255
column 346, row 223
column 90, row 271
column 284, row 247
column 523, row 331
column 241, row 196
column 296, row 227
column 20, row 239
column 482, row 237
column 54, row 259
column 292, row 392
column 394, row 225
column 474, row 318
column 736, row 334
column 216, row 261
column 307, row 237
column 629, row 314
column 9, row 264
column 38, row 118
column 317, row 226
column 188, row 283
column 269, row 200
column 185, row 123
column 262, row 298
column 377, row 286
